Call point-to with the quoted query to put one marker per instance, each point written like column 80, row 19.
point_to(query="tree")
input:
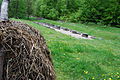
column 18, row 9
column 69, row 10
column 3, row 17
column 29, row 9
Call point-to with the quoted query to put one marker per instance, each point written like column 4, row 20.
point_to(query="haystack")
column 26, row 56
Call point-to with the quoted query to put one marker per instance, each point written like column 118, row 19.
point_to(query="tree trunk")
column 4, row 10
column 3, row 17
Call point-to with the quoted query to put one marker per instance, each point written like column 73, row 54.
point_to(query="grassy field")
column 80, row 59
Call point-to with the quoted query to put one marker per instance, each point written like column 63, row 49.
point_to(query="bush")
column 53, row 14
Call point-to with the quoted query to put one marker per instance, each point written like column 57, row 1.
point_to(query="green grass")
column 80, row 59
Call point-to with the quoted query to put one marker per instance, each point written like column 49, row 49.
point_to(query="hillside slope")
column 80, row 59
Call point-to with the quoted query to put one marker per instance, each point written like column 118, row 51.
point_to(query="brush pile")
column 26, row 54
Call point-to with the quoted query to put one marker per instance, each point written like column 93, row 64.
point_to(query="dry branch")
column 26, row 54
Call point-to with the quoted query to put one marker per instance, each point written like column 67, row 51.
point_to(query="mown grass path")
column 80, row 59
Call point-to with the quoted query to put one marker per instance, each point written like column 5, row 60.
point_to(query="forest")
column 106, row 12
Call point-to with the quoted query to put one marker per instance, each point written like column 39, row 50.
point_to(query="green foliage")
column 53, row 14
column 97, row 11
column 20, row 8
column 111, row 14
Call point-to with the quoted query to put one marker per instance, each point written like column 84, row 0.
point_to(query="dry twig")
column 26, row 54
